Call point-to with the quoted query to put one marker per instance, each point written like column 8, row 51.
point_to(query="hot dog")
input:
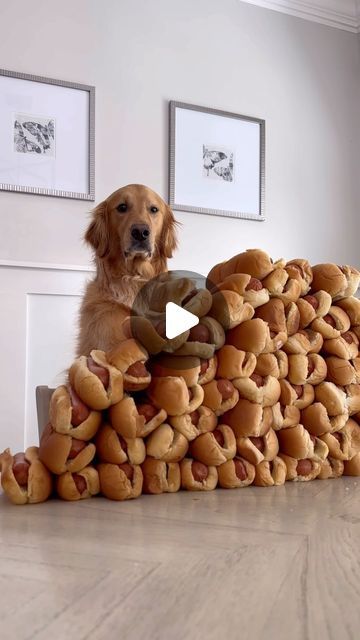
column 199, row 470
column 270, row 474
column 214, row 448
column 301, row 470
column 69, row 415
column 115, row 483
column 129, row 358
column 79, row 410
column 250, row 289
column 193, row 424
column 78, row 486
column 76, row 447
column 147, row 410
column 236, row 473
column 137, row 370
column 160, row 477
column 226, row 389
column 135, row 421
column 204, row 339
column 196, row 476
column 217, row 396
column 98, row 371
column 97, row 383
column 234, row 363
column 257, row 449
column 113, row 448
column 166, row 444
column 199, row 333
column 80, row 482
column 20, row 469
column 61, row 453
column 24, row 478
column 265, row 391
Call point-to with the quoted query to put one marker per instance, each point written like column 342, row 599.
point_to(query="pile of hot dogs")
column 266, row 388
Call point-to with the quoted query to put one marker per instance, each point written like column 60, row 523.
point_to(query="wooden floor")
column 252, row 563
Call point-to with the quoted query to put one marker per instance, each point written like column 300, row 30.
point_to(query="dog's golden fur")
column 121, row 267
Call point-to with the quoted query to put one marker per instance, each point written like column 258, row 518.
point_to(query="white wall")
column 303, row 78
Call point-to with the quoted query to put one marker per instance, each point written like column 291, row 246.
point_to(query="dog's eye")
column 154, row 209
column 122, row 207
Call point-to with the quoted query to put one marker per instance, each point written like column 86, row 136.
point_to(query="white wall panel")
column 50, row 347
column 38, row 324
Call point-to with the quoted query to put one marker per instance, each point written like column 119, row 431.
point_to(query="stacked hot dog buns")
column 266, row 388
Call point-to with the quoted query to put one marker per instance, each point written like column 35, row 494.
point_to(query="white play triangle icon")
column 178, row 320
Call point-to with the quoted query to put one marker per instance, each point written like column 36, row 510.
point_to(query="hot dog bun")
column 187, row 367
column 236, row 473
column 251, row 289
column 265, row 391
column 214, row 448
column 254, row 262
column 203, row 339
column 296, row 442
column 272, row 364
column 127, row 357
column 89, row 387
column 160, row 477
column 352, row 467
column 331, row 468
column 220, row 396
column 280, row 285
column 171, row 394
column 248, row 419
column 78, row 486
column 301, row 470
column 255, row 450
column 193, row 424
column 301, row 270
column 234, row 363
column 166, row 444
column 329, row 277
column 230, row 309
column 38, row 485
column 66, row 408
column 195, row 476
column 270, row 474
column 120, row 482
column 113, row 448
column 55, row 449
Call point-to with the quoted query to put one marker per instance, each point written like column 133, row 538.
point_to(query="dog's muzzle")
column 140, row 240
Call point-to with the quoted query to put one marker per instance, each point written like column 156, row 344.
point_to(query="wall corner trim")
column 340, row 14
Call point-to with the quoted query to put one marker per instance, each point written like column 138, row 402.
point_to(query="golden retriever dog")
column 132, row 234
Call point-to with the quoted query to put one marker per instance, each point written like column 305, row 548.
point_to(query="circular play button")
column 178, row 320
column 174, row 313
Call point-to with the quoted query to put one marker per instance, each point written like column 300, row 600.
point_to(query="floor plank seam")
column 86, row 591
column 121, row 601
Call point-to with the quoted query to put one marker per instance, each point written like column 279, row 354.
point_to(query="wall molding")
column 340, row 14
column 47, row 266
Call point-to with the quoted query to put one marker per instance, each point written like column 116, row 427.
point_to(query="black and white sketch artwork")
column 34, row 134
column 218, row 163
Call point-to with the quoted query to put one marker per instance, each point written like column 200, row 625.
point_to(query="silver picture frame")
column 258, row 163
column 79, row 112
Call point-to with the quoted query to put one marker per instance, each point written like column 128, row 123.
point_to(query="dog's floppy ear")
column 168, row 242
column 98, row 234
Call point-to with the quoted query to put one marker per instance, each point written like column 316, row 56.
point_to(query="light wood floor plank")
column 249, row 564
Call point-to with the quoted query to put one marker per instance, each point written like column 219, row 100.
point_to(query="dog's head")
column 132, row 226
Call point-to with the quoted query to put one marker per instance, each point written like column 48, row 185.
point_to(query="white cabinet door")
column 38, row 326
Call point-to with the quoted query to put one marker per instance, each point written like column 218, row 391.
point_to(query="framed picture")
column 217, row 162
column 47, row 133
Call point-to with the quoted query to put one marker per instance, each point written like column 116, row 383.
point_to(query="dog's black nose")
column 140, row 232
